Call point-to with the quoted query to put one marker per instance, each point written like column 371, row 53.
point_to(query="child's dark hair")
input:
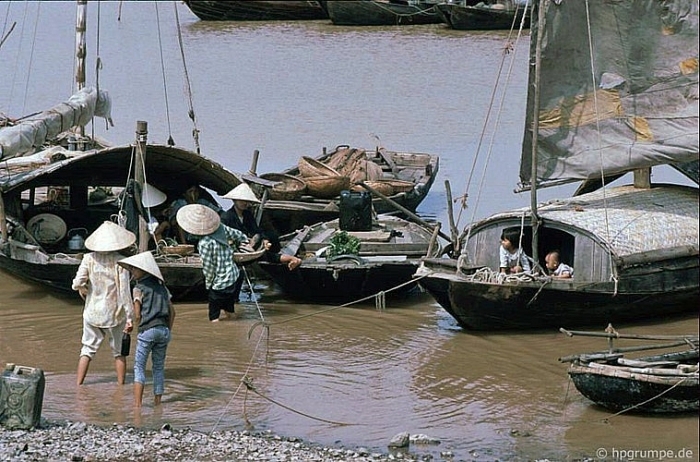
column 512, row 235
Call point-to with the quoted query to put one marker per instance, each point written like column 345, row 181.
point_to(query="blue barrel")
column 21, row 397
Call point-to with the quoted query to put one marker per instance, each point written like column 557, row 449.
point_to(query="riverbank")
column 80, row 442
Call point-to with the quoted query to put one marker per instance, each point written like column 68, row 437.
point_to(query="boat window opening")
column 549, row 239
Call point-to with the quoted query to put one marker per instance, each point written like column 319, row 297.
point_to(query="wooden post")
column 80, row 51
column 139, row 176
column 254, row 163
column 3, row 220
column 642, row 178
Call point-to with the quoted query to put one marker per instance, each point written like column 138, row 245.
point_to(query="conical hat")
column 152, row 196
column 242, row 192
column 198, row 219
column 143, row 261
column 109, row 237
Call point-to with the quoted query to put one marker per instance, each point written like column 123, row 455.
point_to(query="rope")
column 188, row 86
column 171, row 142
column 98, row 66
column 31, row 57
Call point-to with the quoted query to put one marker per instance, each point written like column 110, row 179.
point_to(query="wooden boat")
column 388, row 256
column 409, row 174
column 52, row 199
column 48, row 258
column 659, row 384
column 634, row 248
column 381, row 12
column 251, row 10
column 489, row 15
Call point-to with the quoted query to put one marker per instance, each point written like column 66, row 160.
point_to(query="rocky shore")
column 80, row 442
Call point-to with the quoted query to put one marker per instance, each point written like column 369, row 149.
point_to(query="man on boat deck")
column 512, row 258
column 104, row 286
column 240, row 216
column 216, row 246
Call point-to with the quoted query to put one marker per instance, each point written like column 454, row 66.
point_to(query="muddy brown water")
column 347, row 376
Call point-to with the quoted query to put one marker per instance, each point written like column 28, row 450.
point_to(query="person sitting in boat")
column 512, row 258
column 555, row 268
column 240, row 216
column 194, row 194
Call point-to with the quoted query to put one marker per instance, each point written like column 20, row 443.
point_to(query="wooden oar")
column 616, row 351
column 403, row 209
column 292, row 246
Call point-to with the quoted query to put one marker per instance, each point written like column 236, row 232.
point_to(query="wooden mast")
column 80, row 52
column 139, row 177
column 534, row 217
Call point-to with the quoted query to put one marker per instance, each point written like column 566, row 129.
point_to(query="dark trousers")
column 224, row 299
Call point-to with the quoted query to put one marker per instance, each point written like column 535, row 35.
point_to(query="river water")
column 337, row 376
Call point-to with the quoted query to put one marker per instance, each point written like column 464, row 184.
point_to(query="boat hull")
column 479, row 18
column 487, row 306
column 342, row 282
column 370, row 13
column 255, row 10
column 638, row 393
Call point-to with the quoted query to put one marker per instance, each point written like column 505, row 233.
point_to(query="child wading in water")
column 512, row 258
column 154, row 313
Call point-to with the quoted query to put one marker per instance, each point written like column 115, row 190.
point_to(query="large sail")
column 29, row 135
column 642, row 108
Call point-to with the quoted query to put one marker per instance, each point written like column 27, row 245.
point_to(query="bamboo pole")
column 403, row 209
column 450, row 216
column 617, row 351
column 614, row 335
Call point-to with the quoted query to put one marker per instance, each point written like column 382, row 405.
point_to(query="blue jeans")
column 154, row 341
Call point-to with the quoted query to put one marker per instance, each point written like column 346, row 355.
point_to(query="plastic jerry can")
column 355, row 211
column 21, row 397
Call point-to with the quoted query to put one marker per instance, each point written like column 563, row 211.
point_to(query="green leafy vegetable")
column 343, row 244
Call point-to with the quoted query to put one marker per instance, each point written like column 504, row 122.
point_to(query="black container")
column 21, row 397
column 355, row 211
column 126, row 344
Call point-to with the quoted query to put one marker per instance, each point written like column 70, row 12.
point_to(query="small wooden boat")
column 479, row 15
column 403, row 177
column 249, row 10
column 386, row 261
column 381, row 12
column 663, row 383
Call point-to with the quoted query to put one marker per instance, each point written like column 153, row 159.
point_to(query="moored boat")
column 659, row 384
column 403, row 177
column 388, row 254
column 254, row 10
column 381, row 12
column 634, row 248
column 489, row 15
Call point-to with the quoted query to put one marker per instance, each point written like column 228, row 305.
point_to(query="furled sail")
column 642, row 109
column 30, row 134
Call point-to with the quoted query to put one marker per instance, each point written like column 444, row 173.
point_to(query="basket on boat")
column 326, row 187
column 399, row 186
column 288, row 187
column 180, row 249
column 379, row 186
column 247, row 257
column 310, row 167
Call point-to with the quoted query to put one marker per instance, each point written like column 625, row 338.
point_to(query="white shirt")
column 512, row 259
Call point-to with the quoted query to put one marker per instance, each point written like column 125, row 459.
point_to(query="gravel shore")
column 80, row 442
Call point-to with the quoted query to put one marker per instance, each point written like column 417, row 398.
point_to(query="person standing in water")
column 104, row 286
column 155, row 314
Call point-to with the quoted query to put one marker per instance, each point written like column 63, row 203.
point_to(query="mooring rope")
column 188, row 86
column 171, row 142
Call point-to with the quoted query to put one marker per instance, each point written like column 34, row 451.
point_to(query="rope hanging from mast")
column 171, row 142
column 188, row 86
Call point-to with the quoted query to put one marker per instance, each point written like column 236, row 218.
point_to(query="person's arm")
column 171, row 316
column 503, row 259
column 82, row 277
column 524, row 261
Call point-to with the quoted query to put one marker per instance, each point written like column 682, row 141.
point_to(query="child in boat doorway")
column 555, row 268
column 512, row 258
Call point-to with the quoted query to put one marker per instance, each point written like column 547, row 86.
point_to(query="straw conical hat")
column 109, row 237
column 198, row 219
column 152, row 196
column 143, row 261
column 242, row 192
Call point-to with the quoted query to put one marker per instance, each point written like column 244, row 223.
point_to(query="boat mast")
column 139, row 177
column 534, row 217
column 80, row 51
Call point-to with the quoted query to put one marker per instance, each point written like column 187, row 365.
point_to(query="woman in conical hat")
column 154, row 313
column 104, row 286
column 216, row 247
column 240, row 216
